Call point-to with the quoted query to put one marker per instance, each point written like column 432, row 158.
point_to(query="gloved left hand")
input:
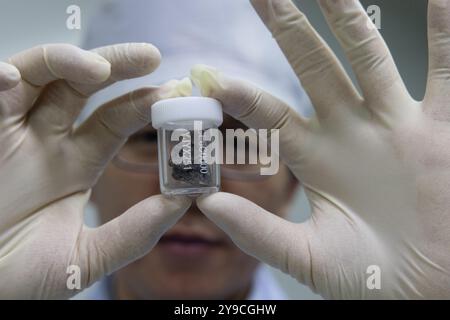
column 375, row 167
column 47, row 167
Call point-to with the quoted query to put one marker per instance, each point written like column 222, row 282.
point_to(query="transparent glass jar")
column 187, row 159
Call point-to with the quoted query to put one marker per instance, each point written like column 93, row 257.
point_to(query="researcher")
column 374, row 162
column 194, row 259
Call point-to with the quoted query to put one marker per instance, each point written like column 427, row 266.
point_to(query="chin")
column 191, row 284
column 191, row 271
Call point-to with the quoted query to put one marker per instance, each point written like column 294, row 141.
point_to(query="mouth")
column 189, row 245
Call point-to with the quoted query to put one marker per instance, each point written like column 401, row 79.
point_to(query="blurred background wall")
column 26, row 23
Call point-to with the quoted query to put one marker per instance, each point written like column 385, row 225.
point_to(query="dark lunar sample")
column 191, row 173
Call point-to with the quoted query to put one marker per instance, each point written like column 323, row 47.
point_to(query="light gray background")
column 26, row 23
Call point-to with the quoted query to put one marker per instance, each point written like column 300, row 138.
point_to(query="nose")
column 193, row 211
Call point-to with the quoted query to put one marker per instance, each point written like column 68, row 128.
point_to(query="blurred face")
column 194, row 259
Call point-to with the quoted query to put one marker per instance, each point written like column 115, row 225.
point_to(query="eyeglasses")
column 140, row 155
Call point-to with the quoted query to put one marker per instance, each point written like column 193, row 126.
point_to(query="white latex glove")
column 47, row 167
column 376, row 167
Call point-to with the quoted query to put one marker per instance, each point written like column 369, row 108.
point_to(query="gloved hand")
column 375, row 167
column 47, row 167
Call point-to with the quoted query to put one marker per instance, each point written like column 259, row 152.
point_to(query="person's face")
column 195, row 259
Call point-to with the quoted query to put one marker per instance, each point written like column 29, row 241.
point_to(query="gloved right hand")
column 375, row 167
column 47, row 167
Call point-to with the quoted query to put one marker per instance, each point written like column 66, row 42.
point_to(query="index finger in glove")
column 257, row 109
column 9, row 76
column 62, row 103
column 128, row 60
column 47, row 63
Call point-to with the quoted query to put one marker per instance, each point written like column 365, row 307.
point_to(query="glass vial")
column 187, row 157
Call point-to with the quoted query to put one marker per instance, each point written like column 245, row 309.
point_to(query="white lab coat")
column 264, row 287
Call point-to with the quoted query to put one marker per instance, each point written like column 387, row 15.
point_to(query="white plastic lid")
column 186, row 109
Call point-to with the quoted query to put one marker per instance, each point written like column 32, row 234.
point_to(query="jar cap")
column 186, row 109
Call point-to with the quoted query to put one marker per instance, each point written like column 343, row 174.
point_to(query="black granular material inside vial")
column 193, row 174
